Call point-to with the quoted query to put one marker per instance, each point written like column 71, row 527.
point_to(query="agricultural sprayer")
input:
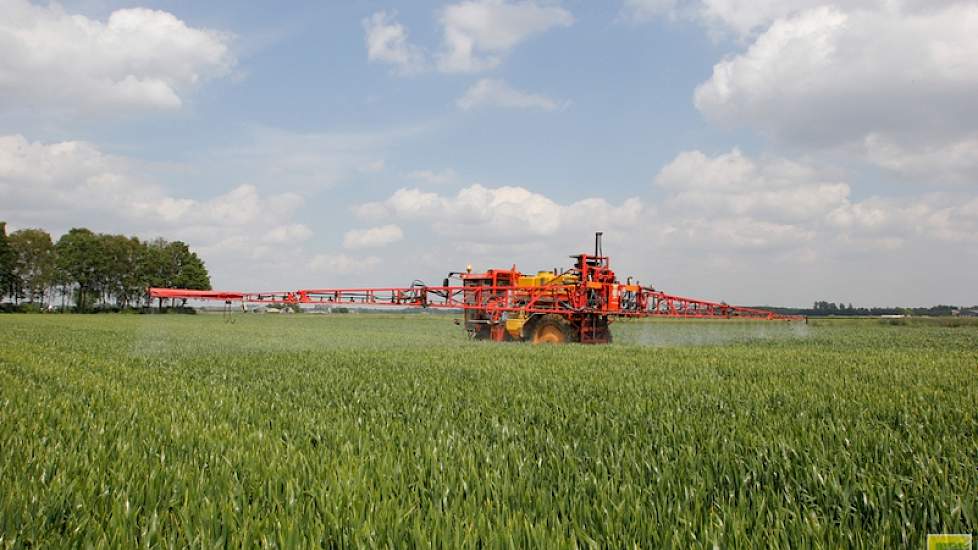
column 574, row 305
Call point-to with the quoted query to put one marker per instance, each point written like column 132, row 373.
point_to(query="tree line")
column 823, row 308
column 90, row 271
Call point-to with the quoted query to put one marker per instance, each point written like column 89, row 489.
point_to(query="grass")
column 159, row 431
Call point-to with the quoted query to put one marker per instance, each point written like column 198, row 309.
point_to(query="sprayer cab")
column 595, row 267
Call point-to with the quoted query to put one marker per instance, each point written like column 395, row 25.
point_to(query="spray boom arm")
column 590, row 297
column 586, row 295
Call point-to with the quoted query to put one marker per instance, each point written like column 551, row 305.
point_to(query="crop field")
column 370, row 430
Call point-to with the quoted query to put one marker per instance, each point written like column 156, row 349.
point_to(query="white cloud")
column 387, row 42
column 74, row 184
column 935, row 217
column 491, row 92
column 727, row 202
column 894, row 76
column 953, row 162
column 890, row 81
column 373, row 237
column 478, row 214
column 734, row 201
column 793, row 230
column 70, row 182
column 479, row 33
column 137, row 58
column 771, row 189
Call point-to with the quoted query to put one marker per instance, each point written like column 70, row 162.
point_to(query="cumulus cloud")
column 898, row 79
column 845, row 74
column 486, row 215
column 734, row 201
column 73, row 184
column 771, row 189
column 479, row 33
column 372, row 237
column 796, row 230
column 953, row 162
column 387, row 42
column 933, row 216
column 728, row 201
column 491, row 92
column 889, row 81
column 70, row 182
column 766, row 208
column 136, row 59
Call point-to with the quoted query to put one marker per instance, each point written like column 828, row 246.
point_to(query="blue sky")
column 755, row 152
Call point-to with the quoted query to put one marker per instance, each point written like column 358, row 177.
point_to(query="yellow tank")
column 543, row 278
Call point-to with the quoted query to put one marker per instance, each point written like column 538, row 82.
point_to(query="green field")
column 372, row 430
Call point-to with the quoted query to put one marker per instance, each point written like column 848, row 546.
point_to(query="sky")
column 754, row 151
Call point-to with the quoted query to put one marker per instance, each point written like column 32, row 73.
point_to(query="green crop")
column 364, row 430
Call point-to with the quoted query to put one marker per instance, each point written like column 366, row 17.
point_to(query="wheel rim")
column 549, row 334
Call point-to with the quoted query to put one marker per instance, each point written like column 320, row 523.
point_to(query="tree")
column 133, row 279
column 125, row 277
column 33, row 262
column 173, row 265
column 192, row 273
column 78, row 257
column 160, row 271
column 94, row 269
column 6, row 263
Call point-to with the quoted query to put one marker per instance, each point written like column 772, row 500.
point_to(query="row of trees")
column 825, row 308
column 92, row 270
column 942, row 310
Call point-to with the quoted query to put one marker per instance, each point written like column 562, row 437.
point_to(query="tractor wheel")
column 551, row 329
